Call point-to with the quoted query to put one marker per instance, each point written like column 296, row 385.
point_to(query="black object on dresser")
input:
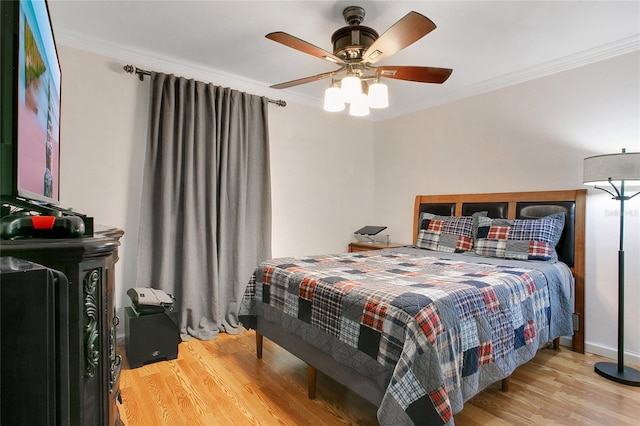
column 93, row 363
column 34, row 358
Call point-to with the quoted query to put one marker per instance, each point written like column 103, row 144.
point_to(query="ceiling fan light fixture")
column 356, row 48
column 333, row 100
column 359, row 105
column 378, row 95
column 374, row 54
column 351, row 87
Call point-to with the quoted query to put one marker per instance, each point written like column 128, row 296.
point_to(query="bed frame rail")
column 316, row 359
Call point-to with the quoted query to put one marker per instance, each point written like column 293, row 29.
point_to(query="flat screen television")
column 31, row 91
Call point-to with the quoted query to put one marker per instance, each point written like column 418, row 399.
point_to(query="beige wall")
column 332, row 174
column 103, row 133
column 321, row 175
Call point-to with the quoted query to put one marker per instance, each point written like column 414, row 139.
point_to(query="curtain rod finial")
column 135, row 70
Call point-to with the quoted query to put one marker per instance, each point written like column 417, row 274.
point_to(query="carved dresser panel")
column 94, row 365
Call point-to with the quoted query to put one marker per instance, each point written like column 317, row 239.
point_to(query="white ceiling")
column 489, row 44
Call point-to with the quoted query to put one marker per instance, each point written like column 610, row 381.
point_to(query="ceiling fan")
column 356, row 48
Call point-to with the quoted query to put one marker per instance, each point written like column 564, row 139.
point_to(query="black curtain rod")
column 141, row 73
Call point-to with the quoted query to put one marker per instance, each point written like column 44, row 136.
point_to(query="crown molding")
column 159, row 62
column 154, row 61
column 601, row 53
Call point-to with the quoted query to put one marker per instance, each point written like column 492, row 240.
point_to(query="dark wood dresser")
column 94, row 365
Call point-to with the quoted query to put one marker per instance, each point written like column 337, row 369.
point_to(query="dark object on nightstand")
column 151, row 337
column 365, row 234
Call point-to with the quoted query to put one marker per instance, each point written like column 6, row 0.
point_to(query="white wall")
column 529, row 137
column 322, row 180
column 103, row 134
column 316, row 162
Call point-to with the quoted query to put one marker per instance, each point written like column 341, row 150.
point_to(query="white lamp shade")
column 333, row 101
column 378, row 96
column 351, row 87
column 359, row 105
column 624, row 166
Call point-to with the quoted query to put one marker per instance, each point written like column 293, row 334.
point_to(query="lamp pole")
column 621, row 284
column 618, row 372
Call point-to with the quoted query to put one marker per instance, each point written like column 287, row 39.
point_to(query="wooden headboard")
column 516, row 205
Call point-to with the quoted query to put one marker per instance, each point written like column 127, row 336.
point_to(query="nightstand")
column 357, row 246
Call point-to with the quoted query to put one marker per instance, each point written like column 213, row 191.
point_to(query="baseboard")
column 629, row 357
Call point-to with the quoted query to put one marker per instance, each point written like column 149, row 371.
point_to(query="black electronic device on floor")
column 150, row 337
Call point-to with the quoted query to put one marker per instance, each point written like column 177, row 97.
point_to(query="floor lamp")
column 616, row 170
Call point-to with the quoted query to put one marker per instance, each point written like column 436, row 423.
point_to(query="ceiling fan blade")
column 306, row 79
column 304, row 47
column 403, row 33
column 419, row 74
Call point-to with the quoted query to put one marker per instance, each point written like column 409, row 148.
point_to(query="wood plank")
column 221, row 382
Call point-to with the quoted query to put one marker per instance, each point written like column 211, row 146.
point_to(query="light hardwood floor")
column 220, row 382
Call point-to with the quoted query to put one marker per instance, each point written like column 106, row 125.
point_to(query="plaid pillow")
column 449, row 234
column 519, row 239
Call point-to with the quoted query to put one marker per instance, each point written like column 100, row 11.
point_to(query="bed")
column 419, row 330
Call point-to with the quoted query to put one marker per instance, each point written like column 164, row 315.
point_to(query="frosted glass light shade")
column 351, row 87
column 333, row 101
column 623, row 166
column 359, row 105
column 378, row 95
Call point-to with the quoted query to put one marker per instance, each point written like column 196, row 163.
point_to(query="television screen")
column 38, row 105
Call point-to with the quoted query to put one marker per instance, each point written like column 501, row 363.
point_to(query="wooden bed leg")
column 505, row 384
column 556, row 343
column 311, row 381
column 259, row 340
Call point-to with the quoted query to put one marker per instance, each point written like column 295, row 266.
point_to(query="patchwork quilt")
column 444, row 325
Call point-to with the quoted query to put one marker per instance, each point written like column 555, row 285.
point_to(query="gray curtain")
column 205, row 221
